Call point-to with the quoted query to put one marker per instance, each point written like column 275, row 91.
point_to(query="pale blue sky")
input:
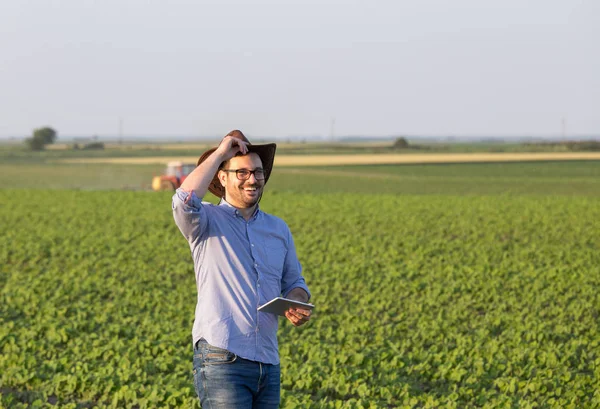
column 280, row 68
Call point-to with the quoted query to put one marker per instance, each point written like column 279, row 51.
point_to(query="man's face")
column 242, row 193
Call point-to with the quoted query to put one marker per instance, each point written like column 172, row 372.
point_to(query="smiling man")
column 243, row 258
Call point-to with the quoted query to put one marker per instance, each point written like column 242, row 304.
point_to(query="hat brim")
column 265, row 152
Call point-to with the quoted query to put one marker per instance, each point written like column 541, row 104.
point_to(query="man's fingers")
column 300, row 313
column 243, row 146
column 291, row 318
column 296, row 322
column 303, row 312
column 297, row 316
column 231, row 145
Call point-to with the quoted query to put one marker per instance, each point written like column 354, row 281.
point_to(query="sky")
column 326, row 68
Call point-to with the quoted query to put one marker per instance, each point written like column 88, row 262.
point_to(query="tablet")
column 280, row 305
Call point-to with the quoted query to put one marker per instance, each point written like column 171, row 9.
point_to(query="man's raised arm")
column 199, row 179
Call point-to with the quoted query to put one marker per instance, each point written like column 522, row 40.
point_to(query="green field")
column 572, row 178
column 531, row 178
column 423, row 301
column 20, row 168
column 437, row 286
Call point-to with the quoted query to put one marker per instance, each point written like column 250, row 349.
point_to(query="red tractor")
column 174, row 175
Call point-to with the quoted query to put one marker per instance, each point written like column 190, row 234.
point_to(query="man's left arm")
column 294, row 286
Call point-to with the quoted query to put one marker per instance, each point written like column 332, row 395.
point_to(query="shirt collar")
column 235, row 212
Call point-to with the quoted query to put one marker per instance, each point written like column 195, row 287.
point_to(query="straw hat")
column 266, row 153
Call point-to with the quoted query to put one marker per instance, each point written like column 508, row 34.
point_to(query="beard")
column 244, row 196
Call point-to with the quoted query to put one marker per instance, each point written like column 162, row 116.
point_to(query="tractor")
column 174, row 175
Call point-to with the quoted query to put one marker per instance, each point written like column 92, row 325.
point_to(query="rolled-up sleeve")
column 189, row 214
column 292, row 271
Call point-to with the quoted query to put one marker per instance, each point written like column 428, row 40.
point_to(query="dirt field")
column 324, row 160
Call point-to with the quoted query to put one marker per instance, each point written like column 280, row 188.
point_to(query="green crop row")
column 422, row 301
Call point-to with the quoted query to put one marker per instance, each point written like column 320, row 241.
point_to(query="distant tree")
column 40, row 138
column 47, row 134
column 400, row 143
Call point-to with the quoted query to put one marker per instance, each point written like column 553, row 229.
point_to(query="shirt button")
column 255, row 265
column 258, row 285
column 252, row 244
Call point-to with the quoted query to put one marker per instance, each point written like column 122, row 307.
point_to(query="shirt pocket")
column 275, row 251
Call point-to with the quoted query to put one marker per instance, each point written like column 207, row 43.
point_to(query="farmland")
column 422, row 301
column 369, row 159
column 580, row 178
column 443, row 285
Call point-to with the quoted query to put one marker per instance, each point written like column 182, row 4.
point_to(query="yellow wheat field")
column 370, row 159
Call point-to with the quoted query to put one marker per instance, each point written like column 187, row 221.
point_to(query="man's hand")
column 298, row 316
column 200, row 178
column 230, row 146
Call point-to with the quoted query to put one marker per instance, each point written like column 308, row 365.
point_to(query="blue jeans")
column 223, row 380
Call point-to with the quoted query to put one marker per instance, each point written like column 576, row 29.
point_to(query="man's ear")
column 222, row 175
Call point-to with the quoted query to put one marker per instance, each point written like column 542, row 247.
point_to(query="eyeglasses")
column 244, row 174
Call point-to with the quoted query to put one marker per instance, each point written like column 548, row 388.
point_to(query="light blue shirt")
column 239, row 265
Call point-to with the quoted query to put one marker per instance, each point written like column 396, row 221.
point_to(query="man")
column 243, row 258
